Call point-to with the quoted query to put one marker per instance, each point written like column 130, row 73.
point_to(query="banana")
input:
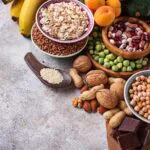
column 6, row 1
column 15, row 9
column 27, row 16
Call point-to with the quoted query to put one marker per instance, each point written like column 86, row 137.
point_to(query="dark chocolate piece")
column 130, row 125
column 129, row 141
column 146, row 144
column 142, row 133
column 115, row 134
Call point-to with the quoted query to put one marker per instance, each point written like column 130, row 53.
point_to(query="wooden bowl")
column 120, row 52
column 111, row 73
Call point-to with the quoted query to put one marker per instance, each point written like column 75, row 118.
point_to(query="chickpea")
column 147, row 98
column 148, row 107
column 131, row 96
column 147, row 102
column 146, row 115
column 136, row 98
column 144, row 109
column 131, row 91
column 142, row 77
column 138, row 79
column 141, row 112
column 142, row 98
column 144, row 88
column 139, row 104
column 134, row 88
column 144, row 94
column 143, row 104
column 133, row 102
column 136, row 108
column 139, row 88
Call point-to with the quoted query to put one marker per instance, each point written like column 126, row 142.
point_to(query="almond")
column 94, row 105
column 87, row 106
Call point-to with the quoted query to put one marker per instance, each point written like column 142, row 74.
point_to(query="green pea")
column 91, row 52
column 129, row 69
column 112, row 57
column 101, row 61
column 139, row 61
column 124, row 69
column 98, row 43
column 90, row 47
column 96, row 58
column 111, row 63
column 107, row 65
column 144, row 62
column 115, row 61
column 146, row 59
column 106, row 60
column 138, row 66
column 115, row 68
column 106, row 51
column 119, row 65
column 120, row 59
column 98, row 47
column 101, row 54
column 132, row 64
column 103, row 46
column 96, row 52
column 126, row 63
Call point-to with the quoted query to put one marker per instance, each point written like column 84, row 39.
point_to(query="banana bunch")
column 24, row 11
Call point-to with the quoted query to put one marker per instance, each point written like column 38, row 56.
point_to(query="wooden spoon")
column 36, row 67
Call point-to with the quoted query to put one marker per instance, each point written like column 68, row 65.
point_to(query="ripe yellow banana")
column 6, row 1
column 27, row 15
column 15, row 9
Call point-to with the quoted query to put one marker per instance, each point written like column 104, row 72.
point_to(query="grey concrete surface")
column 32, row 116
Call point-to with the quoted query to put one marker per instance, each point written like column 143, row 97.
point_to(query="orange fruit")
column 104, row 16
column 94, row 4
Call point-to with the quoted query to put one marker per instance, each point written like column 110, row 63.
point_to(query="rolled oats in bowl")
column 64, row 20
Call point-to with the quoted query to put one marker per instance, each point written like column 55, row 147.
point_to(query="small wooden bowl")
column 111, row 73
column 120, row 52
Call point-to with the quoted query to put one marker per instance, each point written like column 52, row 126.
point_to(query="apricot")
column 117, row 11
column 94, row 4
column 116, row 5
column 104, row 16
column 113, row 3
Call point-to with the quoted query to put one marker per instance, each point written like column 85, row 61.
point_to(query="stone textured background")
column 32, row 116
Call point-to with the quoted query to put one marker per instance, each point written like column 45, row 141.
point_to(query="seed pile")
column 128, row 36
column 51, row 75
column 64, row 20
column 140, row 96
column 55, row 48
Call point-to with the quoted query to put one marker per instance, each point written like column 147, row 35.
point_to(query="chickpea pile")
column 140, row 96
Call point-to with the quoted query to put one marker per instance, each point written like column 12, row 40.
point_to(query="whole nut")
column 96, row 77
column 82, row 63
column 94, row 105
column 87, row 106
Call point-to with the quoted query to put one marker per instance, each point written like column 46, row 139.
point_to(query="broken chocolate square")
column 129, row 141
column 146, row 144
column 115, row 134
column 130, row 125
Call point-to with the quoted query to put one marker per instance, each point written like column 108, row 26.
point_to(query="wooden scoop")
column 36, row 67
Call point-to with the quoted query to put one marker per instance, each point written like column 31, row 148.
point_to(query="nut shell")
column 96, row 77
column 82, row 63
column 107, row 98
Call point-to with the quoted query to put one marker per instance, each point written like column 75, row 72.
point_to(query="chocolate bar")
column 115, row 134
column 130, row 125
column 129, row 141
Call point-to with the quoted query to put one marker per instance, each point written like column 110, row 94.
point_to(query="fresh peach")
column 94, row 4
column 104, row 16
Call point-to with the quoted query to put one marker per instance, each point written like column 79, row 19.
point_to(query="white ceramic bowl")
column 57, row 56
column 84, row 7
column 126, row 93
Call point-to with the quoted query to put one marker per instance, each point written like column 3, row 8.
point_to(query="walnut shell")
column 107, row 98
column 96, row 77
column 82, row 63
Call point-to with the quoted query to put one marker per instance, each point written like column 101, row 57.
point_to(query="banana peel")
column 15, row 9
column 27, row 16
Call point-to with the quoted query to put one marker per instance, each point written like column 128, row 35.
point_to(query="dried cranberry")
column 146, row 37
